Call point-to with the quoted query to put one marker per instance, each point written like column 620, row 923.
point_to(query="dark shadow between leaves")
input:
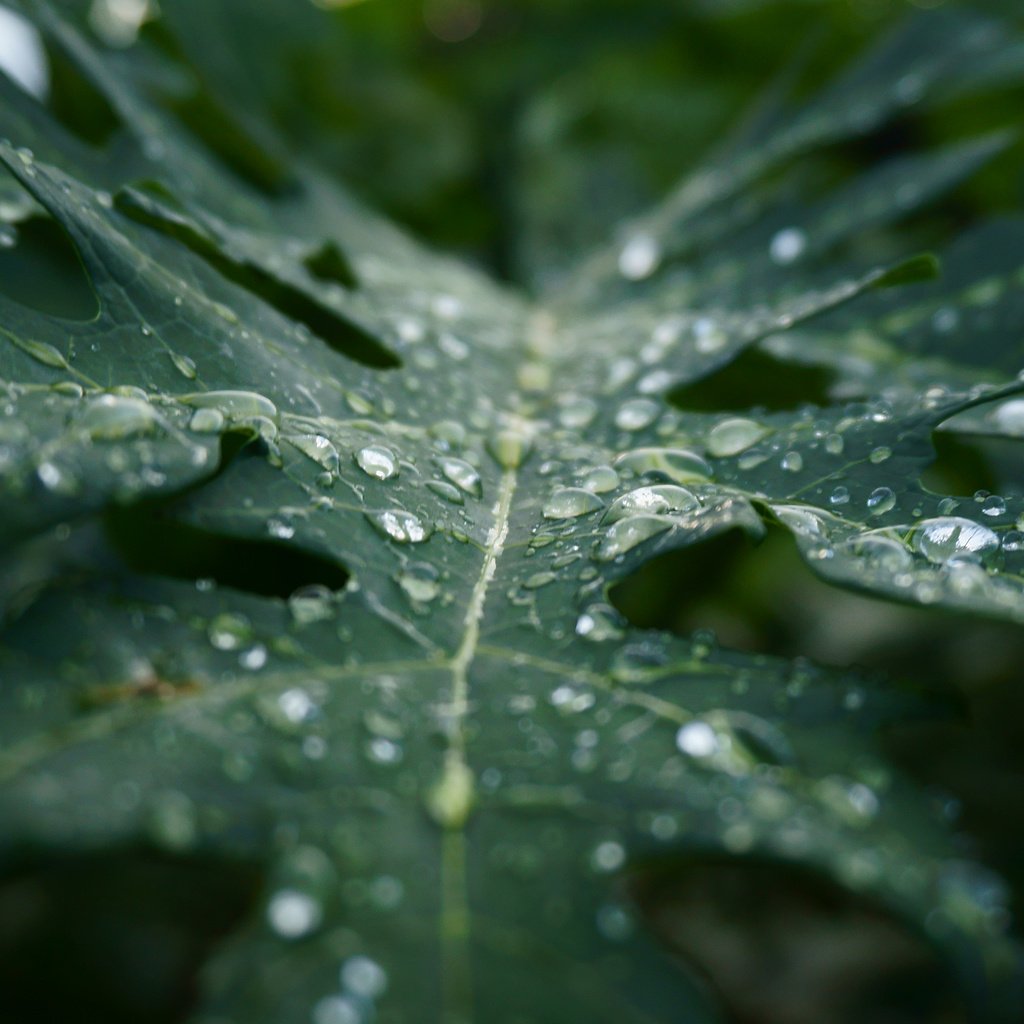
column 43, row 271
column 150, row 204
column 114, row 939
column 756, row 380
column 966, row 464
column 152, row 542
column 76, row 102
column 776, row 944
column 764, row 599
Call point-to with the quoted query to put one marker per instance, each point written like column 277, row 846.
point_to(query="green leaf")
column 310, row 534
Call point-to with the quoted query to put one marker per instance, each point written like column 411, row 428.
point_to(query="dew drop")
column 293, row 914
column 377, row 461
column 185, row 365
column 659, row 499
column 951, row 538
column 463, row 475
column 637, row 414
column 398, row 525
column 733, row 435
column 639, row 257
column 111, row 418
column 570, row 502
column 626, row 534
column 787, row 246
column 881, row 500
column 420, row 581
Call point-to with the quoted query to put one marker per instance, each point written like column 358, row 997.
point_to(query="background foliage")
column 142, row 762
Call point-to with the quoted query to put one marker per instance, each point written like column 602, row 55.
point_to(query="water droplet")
column 576, row 412
column 338, row 1010
column 312, row 603
column 951, row 538
column 292, row 913
column 318, row 448
column 697, row 739
column 639, row 257
column 207, row 421
column 280, row 529
column 509, row 447
column 637, row 414
column 450, row 800
column 880, row 454
column 993, row 506
column 881, row 500
column 733, row 435
column 463, row 475
column 792, row 462
column 676, row 464
column 235, row 405
column 834, row 444
column 185, row 365
column 708, row 335
column 787, row 246
column 420, row 581
column 570, row 502
column 363, row 977
column 398, row 525
column 539, row 579
column 44, row 353
column 1009, row 417
column 111, row 418
column 658, row 499
column 607, row 856
column 626, row 534
column 599, row 622
column 840, row 495
column 600, row 479
column 228, row 632
column 445, row 490
column 377, row 461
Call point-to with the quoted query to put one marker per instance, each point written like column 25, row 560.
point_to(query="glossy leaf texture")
column 309, row 534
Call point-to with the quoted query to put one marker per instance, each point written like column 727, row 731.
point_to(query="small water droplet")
column 463, row 475
column 420, row 581
column 881, row 500
column 637, row 414
column 185, row 365
column 787, row 246
column 792, row 462
column 639, row 257
column 293, row 914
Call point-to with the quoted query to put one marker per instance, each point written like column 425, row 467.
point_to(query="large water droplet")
column 318, row 448
column 570, row 502
column 626, row 534
column 951, row 538
column 676, row 464
column 312, row 603
column 509, row 447
column 734, row 435
column 111, row 417
column 235, row 405
column 398, row 525
column 377, row 461
column 659, row 499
